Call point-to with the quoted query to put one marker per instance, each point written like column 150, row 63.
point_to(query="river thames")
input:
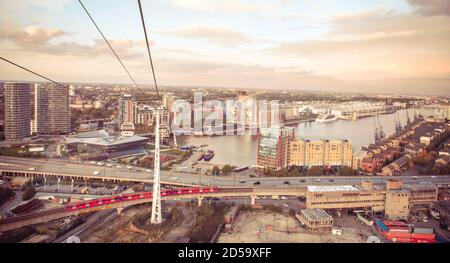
column 240, row 150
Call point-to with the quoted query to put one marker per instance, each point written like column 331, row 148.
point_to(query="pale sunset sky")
column 395, row 46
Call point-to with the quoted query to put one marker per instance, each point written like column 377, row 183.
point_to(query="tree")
column 5, row 195
column 226, row 169
column 28, row 193
column 215, row 170
column 314, row 171
column 346, row 171
column 292, row 212
column 421, row 160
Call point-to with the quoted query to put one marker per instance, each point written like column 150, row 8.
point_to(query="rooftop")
column 331, row 188
column 316, row 214
column 102, row 138
column 421, row 186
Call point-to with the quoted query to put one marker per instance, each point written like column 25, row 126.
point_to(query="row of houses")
column 395, row 153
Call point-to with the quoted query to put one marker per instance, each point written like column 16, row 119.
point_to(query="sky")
column 386, row 46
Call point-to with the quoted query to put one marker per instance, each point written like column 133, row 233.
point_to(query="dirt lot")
column 119, row 231
column 252, row 226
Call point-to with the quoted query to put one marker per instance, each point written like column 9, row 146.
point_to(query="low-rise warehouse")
column 315, row 219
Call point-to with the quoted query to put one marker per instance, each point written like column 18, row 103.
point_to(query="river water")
column 240, row 150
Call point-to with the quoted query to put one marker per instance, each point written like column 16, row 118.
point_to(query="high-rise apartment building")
column 273, row 146
column 2, row 107
column 51, row 109
column 126, row 112
column 17, row 111
column 320, row 153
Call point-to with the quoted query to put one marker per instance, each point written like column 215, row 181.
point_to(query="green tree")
column 28, row 193
column 226, row 169
column 314, row 171
column 215, row 170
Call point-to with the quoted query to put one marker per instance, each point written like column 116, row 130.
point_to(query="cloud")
column 431, row 7
column 377, row 42
column 215, row 34
column 42, row 40
column 30, row 36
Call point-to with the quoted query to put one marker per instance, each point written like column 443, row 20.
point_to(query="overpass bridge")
column 15, row 172
column 141, row 198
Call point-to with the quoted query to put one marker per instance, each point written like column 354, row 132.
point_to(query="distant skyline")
column 386, row 46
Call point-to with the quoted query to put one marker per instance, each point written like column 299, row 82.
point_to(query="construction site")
column 259, row 226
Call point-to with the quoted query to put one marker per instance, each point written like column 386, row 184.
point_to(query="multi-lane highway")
column 74, row 168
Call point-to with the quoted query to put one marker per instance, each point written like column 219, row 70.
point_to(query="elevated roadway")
column 62, row 168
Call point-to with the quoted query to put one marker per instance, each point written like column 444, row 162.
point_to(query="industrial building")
column 315, row 219
column 366, row 197
column 394, row 200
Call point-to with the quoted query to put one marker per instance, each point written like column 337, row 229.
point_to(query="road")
column 65, row 167
column 12, row 203
column 92, row 222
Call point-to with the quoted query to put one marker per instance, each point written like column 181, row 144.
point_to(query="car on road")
column 433, row 177
column 331, row 180
column 109, row 165
column 415, row 177
column 118, row 166
column 286, row 182
column 286, row 205
column 174, row 178
column 129, row 167
column 242, row 182
column 96, row 173
column 284, row 198
column 148, row 170
column 302, row 181
column 257, row 183
column 31, row 169
column 92, row 162
column 317, row 180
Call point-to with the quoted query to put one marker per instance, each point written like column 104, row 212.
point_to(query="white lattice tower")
column 156, row 217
